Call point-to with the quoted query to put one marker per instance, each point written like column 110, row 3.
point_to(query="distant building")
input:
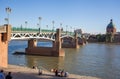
column 111, row 35
column 92, row 38
column 117, row 38
column 86, row 35
column 79, row 31
column 111, row 28
column 110, row 32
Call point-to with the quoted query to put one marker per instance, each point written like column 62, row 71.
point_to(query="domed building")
column 110, row 31
column 111, row 28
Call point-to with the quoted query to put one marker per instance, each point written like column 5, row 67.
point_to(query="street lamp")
column 60, row 25
column 26, row 25
column 38, row 26
column 6, row 20
column 74, row 30
column 21, row 27
column 71, row 30
column 47, row 27
column 53, row 22
column 39, row 18
column 8, row 11
column 66, row 28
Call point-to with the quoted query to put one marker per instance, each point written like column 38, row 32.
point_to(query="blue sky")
column 92, row 16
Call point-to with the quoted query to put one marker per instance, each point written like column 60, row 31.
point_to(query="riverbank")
column 20, row 72
column 113, row 43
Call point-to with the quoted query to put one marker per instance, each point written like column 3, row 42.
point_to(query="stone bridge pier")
column 69, row 42
column 76, row 41
column 5, row 34
column 56, row 50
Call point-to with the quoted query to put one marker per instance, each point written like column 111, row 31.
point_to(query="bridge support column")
column 32, row 43
column 5, row 35
column 57, row 51
column 46, row 51
column 76, row 41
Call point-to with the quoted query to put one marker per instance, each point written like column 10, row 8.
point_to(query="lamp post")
column 61, row 25
column 47, row 27
column 66, row 28
column 6, row 20
column 21, row 27
column 74, row 30
column 26, row 25
column 39, row 18
column 38, row 27
column 8, row 11
column 53, row 22
column 71, row 30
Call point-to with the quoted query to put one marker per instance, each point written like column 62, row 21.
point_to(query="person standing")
column 8, row 76
column 2, row 76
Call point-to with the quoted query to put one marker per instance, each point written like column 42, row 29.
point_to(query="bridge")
column 68, row 40
column 26, row 35
column 57, row 37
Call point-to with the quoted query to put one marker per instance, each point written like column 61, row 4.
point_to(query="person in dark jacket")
column 8, row 76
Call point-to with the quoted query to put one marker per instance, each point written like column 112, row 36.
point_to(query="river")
column 92, row 59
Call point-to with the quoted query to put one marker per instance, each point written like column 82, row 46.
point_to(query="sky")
column 92, row 16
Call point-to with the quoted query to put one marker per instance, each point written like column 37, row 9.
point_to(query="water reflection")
column 46, row 62
column 99, row 60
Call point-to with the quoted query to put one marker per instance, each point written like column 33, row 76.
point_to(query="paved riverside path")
column 19, row 72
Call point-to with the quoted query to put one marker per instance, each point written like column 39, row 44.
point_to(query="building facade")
column 110, row 32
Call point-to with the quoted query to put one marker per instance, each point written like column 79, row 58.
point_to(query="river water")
column 92, row 59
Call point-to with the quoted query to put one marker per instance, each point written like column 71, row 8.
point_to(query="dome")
column 111, row 25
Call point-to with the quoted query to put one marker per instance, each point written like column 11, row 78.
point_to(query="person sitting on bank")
column 56, row 72
column 66, row 74
column 33, row 67
column 52, row 70
column 2, row 76
column 40, row 72
column 8, row 76
column 62, row 73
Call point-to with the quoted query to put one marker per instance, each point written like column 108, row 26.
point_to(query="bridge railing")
column 18, row 29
